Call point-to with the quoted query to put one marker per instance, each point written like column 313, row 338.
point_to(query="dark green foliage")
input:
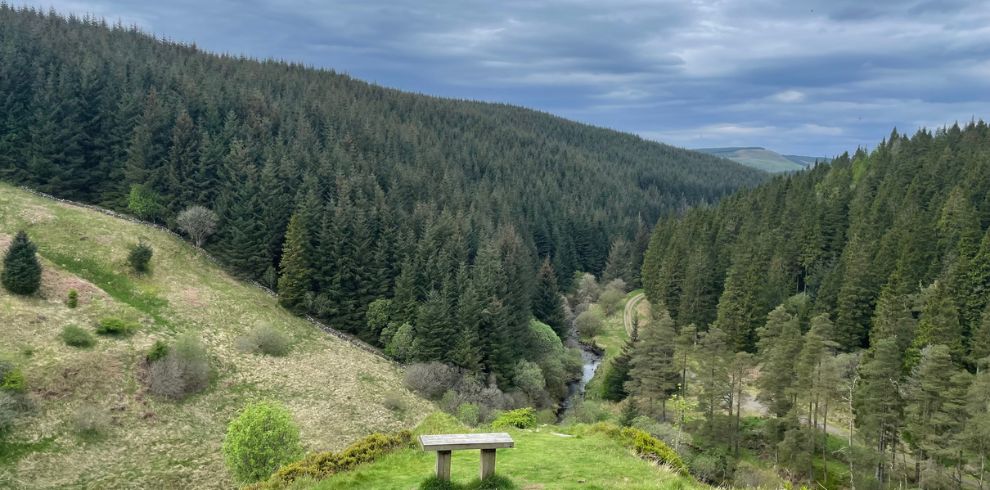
column 73, row 299
column 11, row 378
column 617, row 374
column 548, row 307
column 77, row 337
column 261, row 439
column 522, row 418
column 116, row 327
column 157, row 351
column 395, row 195
column 911, row 212
column 139, row 257
column 21, row 269
column 494, row 482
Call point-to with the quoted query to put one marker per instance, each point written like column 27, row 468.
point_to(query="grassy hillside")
column 548, row 457
column 763, row 159
column 334, row 390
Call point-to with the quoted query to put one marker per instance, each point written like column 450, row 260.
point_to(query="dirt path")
column 627, row 314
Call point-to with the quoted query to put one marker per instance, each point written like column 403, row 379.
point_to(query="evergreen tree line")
column 858, row 287
column 338, row 192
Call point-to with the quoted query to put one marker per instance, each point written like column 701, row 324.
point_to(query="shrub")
column 73, row 300
column 77, row 337
column 652, row 448
column 610, row 300
column 21, row 269
column 318, row 466
column 140, row 257
column 144, row 203
column 394, row 402
column 265, row 340
column 712, row 466
column 260, row 440
column 198, row 222
column 11, row 378
column 522, row 418
column 431, row 379
column 115, row 327
column 157, row 351
column 183, row 371
column 494, row 482
column 8, row 412
column 589, row 324
column 469, row 413
column 90, row 421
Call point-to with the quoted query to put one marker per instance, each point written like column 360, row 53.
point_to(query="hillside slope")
column 334, row 390
column 763, row 159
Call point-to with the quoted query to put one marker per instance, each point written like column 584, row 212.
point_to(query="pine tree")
column 935, row 407
column 877, row 400
column 653, row 373
column 21, row 268
column 296, row 274
column 617, row 373
column 979, row 347
column 975, row 434
column 435, row 333
column 548, row 307
column 779, row 346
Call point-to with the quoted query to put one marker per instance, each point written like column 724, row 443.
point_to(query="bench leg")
column 487, row 463
column 443, row 465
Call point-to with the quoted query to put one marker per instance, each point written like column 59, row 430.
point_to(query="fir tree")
column 21, row 268
column 653, row 373
column 296, row 274
column 548, row 307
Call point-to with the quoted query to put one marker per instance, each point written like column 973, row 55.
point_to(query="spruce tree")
column 617, row 373
column 653, row 373
column 877, row 400
column 979, row 345
column 779, row 344
column 939, row 324
column 296, row 274
column 21, row 268
column 548, row 307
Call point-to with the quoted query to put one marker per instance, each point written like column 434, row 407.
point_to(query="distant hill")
column 763, row 159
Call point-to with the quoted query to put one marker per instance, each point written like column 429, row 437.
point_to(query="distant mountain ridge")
column 763, row 159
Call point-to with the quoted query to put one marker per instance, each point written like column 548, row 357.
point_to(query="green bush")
column 115, row 327
column 522, row 418
column 21, row 269
column 140, row 257
column 494, row 482
column 318, row 466
column 182, row 371
column 260, row 440
column 77, row 337
column 265, row 340
column 469, row 413
column 651, row 448
column 73, row 300
column 11, row 378
column 157, row 351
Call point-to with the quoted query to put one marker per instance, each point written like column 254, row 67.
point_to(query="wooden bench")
column 443, row 444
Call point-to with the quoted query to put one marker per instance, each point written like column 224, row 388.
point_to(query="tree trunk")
column 825, row 440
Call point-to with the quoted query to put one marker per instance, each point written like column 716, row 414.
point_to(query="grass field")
column 334, row 390
column 613, row 337
column 549, row 457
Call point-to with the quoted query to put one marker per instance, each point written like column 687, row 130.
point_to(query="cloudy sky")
column 814, row 77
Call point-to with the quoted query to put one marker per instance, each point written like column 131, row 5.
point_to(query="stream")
column 591, row 357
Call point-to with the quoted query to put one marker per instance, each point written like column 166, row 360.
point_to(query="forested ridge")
column 859, row 288
column 337, row 192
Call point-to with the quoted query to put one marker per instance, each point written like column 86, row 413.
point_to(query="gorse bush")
column 184, row 370
column 115, row 327
column 654, row 449
column 522, row 418
column 318, row 466
column 265, row 340
column 72, row 300
column 21, row 268
column 77, row 337
column 261, row 439
column 139, row 257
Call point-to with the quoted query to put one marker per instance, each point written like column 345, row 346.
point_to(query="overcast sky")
column 814, row 77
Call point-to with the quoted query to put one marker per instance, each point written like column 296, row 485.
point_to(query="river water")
column 591, row 358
